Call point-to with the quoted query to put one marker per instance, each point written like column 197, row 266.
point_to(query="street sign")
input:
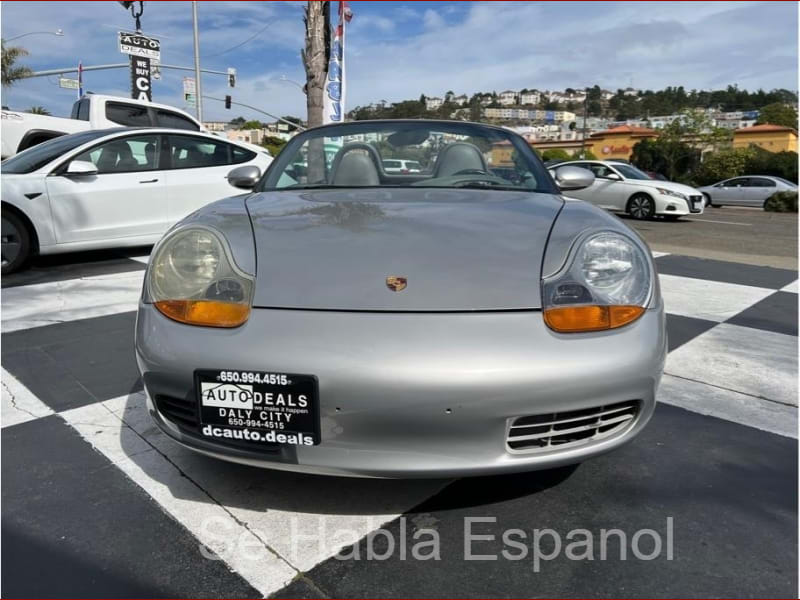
column 189, row 91
column 68, row 84
column 136, row 44
column 140, row 78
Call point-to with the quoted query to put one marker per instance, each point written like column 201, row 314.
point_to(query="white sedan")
column 621, row 187
column 111, row 188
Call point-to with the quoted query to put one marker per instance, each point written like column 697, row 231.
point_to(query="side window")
column 738, row 182
column 133, row 154
column 188, row 152
column 80, row 110
column 241, row 155
column 166, row 118
column 599, row 170
column 129, row 115
column 760, row 182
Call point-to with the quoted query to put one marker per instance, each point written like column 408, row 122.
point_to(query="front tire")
column 641, row 207
column 16, row 243
column 709, row 202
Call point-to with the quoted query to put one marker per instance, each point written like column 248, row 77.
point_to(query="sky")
column 399, row 50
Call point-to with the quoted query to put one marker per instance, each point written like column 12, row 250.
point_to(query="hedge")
column 781, row 202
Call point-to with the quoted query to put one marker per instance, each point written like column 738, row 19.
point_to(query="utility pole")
column 585, row 116
column 198, row 87
column 315, row 56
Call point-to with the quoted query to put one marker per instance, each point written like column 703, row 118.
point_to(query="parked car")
column 621, row 187
column 438, row 324
column 22, row 130
column 110, row 187
column 397, row 165
column 750, row 190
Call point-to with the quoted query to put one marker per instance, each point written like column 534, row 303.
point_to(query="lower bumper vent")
column 559, row 431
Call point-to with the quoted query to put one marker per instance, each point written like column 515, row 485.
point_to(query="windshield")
column 408, row 154
column 629, row 172
column 38, row 156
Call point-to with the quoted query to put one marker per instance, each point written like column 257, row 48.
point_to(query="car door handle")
column 149, row 181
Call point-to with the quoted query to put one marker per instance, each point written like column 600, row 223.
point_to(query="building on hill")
column 774, row 138
column 461, row 100
column 508, row 98
column 530, row 97
column 433, row 103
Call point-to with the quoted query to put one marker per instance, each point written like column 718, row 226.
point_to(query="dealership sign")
column 136, row 44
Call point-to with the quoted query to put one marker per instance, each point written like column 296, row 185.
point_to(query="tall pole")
column 198, row 88
column 585, row 116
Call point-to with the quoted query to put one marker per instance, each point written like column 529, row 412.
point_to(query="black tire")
column 709, row 202
column 16, row 242
column 641, row 207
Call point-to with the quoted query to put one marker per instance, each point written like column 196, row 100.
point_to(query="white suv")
column 622, row 187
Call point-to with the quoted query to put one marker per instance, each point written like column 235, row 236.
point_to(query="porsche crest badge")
column 396, row 284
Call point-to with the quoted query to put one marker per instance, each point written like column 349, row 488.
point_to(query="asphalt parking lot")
column 745, row 235
column 97, row 502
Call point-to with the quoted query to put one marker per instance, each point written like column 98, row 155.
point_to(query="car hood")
column 666, row 185
column 458, row 250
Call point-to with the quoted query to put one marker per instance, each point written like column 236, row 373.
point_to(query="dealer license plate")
column 258, row 406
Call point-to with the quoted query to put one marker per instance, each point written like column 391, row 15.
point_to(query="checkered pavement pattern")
column 73, row 412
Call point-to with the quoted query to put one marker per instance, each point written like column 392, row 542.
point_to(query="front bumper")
column 412, row 394
column 672, row 205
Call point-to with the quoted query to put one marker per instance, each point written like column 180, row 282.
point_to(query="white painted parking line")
column 792, row 287
column 722, row 222
column 214, row 499
column 59, row 301
column 18, row 404
column 710, row 300
column 659, row 254
column 731, row 406
column 179, row 496
column 750, row 361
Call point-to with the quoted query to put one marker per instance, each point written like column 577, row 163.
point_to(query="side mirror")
column 81, row 167
column 613, row 177
column 245, row 177
column 573, row 178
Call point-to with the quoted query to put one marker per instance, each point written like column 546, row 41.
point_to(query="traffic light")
column 231, row 77
column 227, row 102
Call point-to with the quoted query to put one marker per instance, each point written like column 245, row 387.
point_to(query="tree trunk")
column 315, row 61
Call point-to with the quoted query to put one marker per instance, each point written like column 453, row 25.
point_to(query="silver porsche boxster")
column 465, row 318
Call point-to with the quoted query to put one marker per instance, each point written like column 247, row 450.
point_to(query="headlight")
column 606, row 285
column 672, row 193
column 192, row 280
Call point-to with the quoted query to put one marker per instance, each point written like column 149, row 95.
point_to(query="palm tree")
column 12, row 73
column 38, row 110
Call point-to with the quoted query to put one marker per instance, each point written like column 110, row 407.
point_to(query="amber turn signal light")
column 573, row 319
column 210, row 313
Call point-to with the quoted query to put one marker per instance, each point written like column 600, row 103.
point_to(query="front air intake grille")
column 180, row 411
column 696, row 203
column 183, row 413
column 563, row 430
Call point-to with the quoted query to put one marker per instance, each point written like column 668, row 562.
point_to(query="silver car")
column 751, row 190
column 448, row 323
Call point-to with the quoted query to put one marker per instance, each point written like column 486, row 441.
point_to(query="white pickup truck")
column 21, row 130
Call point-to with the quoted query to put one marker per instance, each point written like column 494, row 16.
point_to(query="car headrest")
column 459, row 156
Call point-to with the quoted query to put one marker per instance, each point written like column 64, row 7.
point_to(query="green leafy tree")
column 722, row 164
column 38, row 110
column 273, row 144
column 10, row 70
column 254, row 124
column 237, row 122
column 778, row 114
column 555, row 153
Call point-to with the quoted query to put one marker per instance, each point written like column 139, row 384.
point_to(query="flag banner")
column 334, row 91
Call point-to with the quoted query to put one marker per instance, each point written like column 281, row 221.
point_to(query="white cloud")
column 433, row 20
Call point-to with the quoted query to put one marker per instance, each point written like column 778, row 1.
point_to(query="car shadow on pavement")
column 260, row 489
